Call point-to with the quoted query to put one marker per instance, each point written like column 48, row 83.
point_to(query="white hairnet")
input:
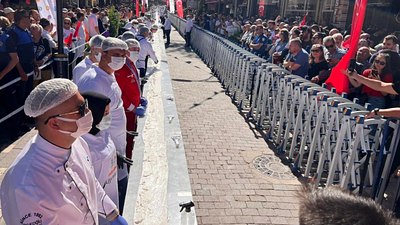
column 96, row 41
column 112, row 43
column 48, row 95
column 127, row 35
column 132, row 43
column 142, row 30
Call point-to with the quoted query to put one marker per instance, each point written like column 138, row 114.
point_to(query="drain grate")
column 271, row 166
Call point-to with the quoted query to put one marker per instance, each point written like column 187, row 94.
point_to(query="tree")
column 114, row 17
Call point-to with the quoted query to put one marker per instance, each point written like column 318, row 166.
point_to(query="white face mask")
column 116, row 63
column 84, row 125
column 134, row 55
column 105, row 123
column 97, row 56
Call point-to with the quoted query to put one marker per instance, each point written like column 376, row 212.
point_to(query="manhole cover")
column 271, row 166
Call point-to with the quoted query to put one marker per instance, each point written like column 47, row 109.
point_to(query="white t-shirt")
column 92, row 22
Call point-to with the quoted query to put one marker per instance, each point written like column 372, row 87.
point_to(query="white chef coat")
column 81, row 68
column 104, row 160
column 145, row 50
column 47, row 184
column 98, row 81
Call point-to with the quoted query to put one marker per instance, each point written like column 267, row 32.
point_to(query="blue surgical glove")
column 140, row 111
column 119, row 221
column 143, row 101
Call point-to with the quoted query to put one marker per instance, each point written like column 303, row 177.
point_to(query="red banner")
column 137, row 9
column 179, row 8
column 167, row 4
column 143, row 6
column 337, row 79
column 261, row 8
column 304, row 21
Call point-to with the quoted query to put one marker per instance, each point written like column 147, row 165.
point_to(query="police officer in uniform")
column 8, row 98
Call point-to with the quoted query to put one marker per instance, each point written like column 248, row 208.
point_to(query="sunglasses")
column 329, row 46
column 315, row 50
column 81, row 111
column 382, row 63
column 67, row 23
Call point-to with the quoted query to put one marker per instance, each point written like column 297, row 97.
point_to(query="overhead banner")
column 137, row 9
column 261, row 8
column 143, row 7
column 172, row 6
column 337, row 79
column 179, row 8
column 47, row 9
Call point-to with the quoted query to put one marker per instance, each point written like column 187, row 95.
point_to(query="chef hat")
column 127, row 35
column 112, row 43
column 132, row 43
column 142, row 30
column 96, row 41
column 48, row 95
column 154, row 27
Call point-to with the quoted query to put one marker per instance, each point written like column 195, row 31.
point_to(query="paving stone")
column 222, row 147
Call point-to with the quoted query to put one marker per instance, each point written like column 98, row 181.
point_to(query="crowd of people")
column 81, row 156
column 311, row 51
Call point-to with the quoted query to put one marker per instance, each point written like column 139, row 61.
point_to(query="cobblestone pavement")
column 221, row 148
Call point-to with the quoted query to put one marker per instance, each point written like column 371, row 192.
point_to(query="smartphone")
column 352, row 65
column 374, row 73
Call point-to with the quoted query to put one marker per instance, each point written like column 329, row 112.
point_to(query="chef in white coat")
column 52, row 179
column 93, row 57
column 102, row 148
column 100, row 79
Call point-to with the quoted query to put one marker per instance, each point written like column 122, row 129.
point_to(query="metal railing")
column 323, row 135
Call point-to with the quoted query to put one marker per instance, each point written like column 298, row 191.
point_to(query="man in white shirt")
column 47, row 27
column 188, row 29
column 146, row 51
column 52, row 180
column 167, row 28
column 93, row 23
column 93, row 57
column 100, row 79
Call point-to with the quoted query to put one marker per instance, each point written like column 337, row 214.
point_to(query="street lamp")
column 60, row 58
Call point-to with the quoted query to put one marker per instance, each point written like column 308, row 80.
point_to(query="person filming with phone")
column 379, row 71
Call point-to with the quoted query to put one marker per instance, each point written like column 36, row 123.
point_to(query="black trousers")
column 187, row 38
column 167, row 34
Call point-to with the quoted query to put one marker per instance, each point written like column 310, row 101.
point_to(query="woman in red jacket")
column 380, row 70
column 129, row 82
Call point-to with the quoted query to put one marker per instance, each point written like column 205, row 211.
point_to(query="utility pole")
column 60, row 59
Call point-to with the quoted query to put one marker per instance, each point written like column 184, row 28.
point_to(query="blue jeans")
column 377, row 102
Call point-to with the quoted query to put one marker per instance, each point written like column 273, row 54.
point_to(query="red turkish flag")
column 143, row 7
column 261, row 8
column 137, row 8
column 304, row 21
column 179, row 8
column 337, row 79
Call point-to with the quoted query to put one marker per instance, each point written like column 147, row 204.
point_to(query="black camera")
column 352, row 65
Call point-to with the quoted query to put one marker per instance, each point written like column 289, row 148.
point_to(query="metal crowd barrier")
column 324, row 135
column 15, row 81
